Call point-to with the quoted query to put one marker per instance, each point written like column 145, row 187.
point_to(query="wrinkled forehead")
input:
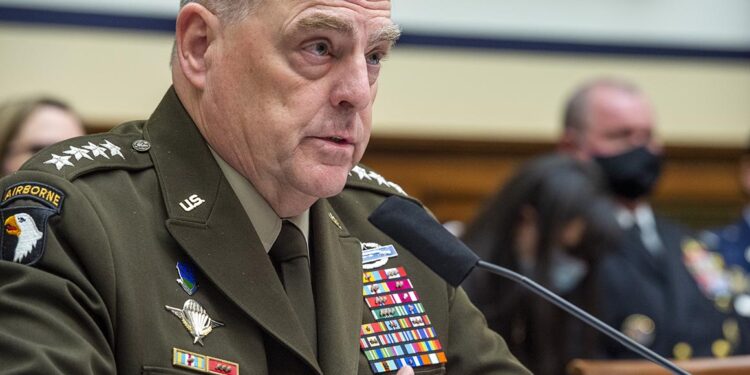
column 353, row 17
column 374, row 9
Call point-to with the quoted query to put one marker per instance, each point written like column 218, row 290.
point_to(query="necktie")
column 290, row 258
column 649, row 237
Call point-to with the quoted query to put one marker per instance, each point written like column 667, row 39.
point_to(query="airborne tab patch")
column 25, row 227
column 45, row 194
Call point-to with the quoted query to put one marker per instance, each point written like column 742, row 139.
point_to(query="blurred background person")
column 29, row 125
column 550, row 222
column 659, row 286
column 733, row 241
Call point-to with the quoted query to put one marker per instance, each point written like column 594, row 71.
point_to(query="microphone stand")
column 583, row 316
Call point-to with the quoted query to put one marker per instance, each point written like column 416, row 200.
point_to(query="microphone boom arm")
column 582, row 315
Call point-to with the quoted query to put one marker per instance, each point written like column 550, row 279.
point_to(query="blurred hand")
column 406, row 370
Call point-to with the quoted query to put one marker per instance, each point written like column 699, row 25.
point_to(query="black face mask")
column 633, row 173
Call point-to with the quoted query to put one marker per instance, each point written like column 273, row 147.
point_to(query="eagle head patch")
column 23, row 237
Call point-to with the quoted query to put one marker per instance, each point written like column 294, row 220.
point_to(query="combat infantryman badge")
column 25, row 225
column 374, row 255
column 195, row 318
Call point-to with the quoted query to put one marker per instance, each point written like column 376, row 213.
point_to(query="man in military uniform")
column 733, row 241
column 172, row 245
column 659, row 286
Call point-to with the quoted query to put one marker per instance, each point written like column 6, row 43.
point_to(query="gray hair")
column 576, row 109
column 227, row 10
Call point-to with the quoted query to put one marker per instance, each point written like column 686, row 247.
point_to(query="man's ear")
column 196, row 29
column 570, row 144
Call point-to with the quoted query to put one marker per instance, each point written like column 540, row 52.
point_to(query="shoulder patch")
column 362, row 177
column 78, row 156
column 24, row 235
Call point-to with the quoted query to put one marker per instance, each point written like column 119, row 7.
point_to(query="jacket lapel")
column 216, row 234
column 337, row 272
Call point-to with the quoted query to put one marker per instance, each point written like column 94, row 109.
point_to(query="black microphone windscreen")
column 412, row 227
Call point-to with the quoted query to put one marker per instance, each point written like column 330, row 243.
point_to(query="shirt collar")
column 264, row 219
column 642, row 214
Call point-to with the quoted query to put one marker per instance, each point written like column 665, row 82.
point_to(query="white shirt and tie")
column 641, row 219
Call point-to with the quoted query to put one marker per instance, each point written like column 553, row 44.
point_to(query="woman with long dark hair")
column 549, row 222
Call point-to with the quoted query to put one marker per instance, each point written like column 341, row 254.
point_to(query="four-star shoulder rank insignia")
column 365, row 175
column 78, row 153
column 24, row 226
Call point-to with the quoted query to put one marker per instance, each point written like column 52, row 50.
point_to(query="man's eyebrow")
column 389, row 33
column 322, row 21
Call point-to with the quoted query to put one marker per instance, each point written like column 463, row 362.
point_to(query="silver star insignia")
column 113, row 150
column 195, row 318
column 97, row 150
column 59, row 161
column 78, row 153
column 361, row 172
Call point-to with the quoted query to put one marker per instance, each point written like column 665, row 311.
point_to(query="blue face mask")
column 566, row 271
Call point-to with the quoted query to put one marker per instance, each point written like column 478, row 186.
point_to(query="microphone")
column 412, row 227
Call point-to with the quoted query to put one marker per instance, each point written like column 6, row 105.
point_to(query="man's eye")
column 374, row 58
column 320, row 49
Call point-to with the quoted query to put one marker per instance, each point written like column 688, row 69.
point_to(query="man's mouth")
column 337, row 140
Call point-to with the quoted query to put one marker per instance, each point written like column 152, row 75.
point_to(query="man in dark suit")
column 659, row 286
column 228, row 233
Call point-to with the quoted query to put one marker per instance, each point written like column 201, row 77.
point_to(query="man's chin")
column 326, row 181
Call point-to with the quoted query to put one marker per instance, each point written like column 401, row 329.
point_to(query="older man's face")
column 617, row 122
column 288, row 100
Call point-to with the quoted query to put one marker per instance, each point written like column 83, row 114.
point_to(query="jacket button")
column 141, row 145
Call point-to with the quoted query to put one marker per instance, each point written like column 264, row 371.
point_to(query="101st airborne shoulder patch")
column 25, row 226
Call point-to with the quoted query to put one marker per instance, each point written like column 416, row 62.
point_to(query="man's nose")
column 352, row 90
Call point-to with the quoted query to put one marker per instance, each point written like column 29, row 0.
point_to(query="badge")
column 195, row 318
column 374, row 255
column 203, row 363
column 640, row 328
column 731, row 330
column 721, row 348
column 707, row 269
column 335, row 221
column 187, row 278
column 192, row 202
column 742, row 305
column 682, row 351
column 25, row 227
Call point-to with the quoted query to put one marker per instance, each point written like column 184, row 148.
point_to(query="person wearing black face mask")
column 550, row 222
column 656, row 285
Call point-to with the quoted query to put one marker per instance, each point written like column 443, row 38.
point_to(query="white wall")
column 717, row 23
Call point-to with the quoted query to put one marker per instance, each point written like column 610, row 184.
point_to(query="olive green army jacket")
column 91, row 288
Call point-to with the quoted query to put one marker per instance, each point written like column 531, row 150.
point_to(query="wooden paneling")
column 453, row 177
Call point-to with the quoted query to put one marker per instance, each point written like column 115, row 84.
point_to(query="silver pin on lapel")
column 195, row 318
